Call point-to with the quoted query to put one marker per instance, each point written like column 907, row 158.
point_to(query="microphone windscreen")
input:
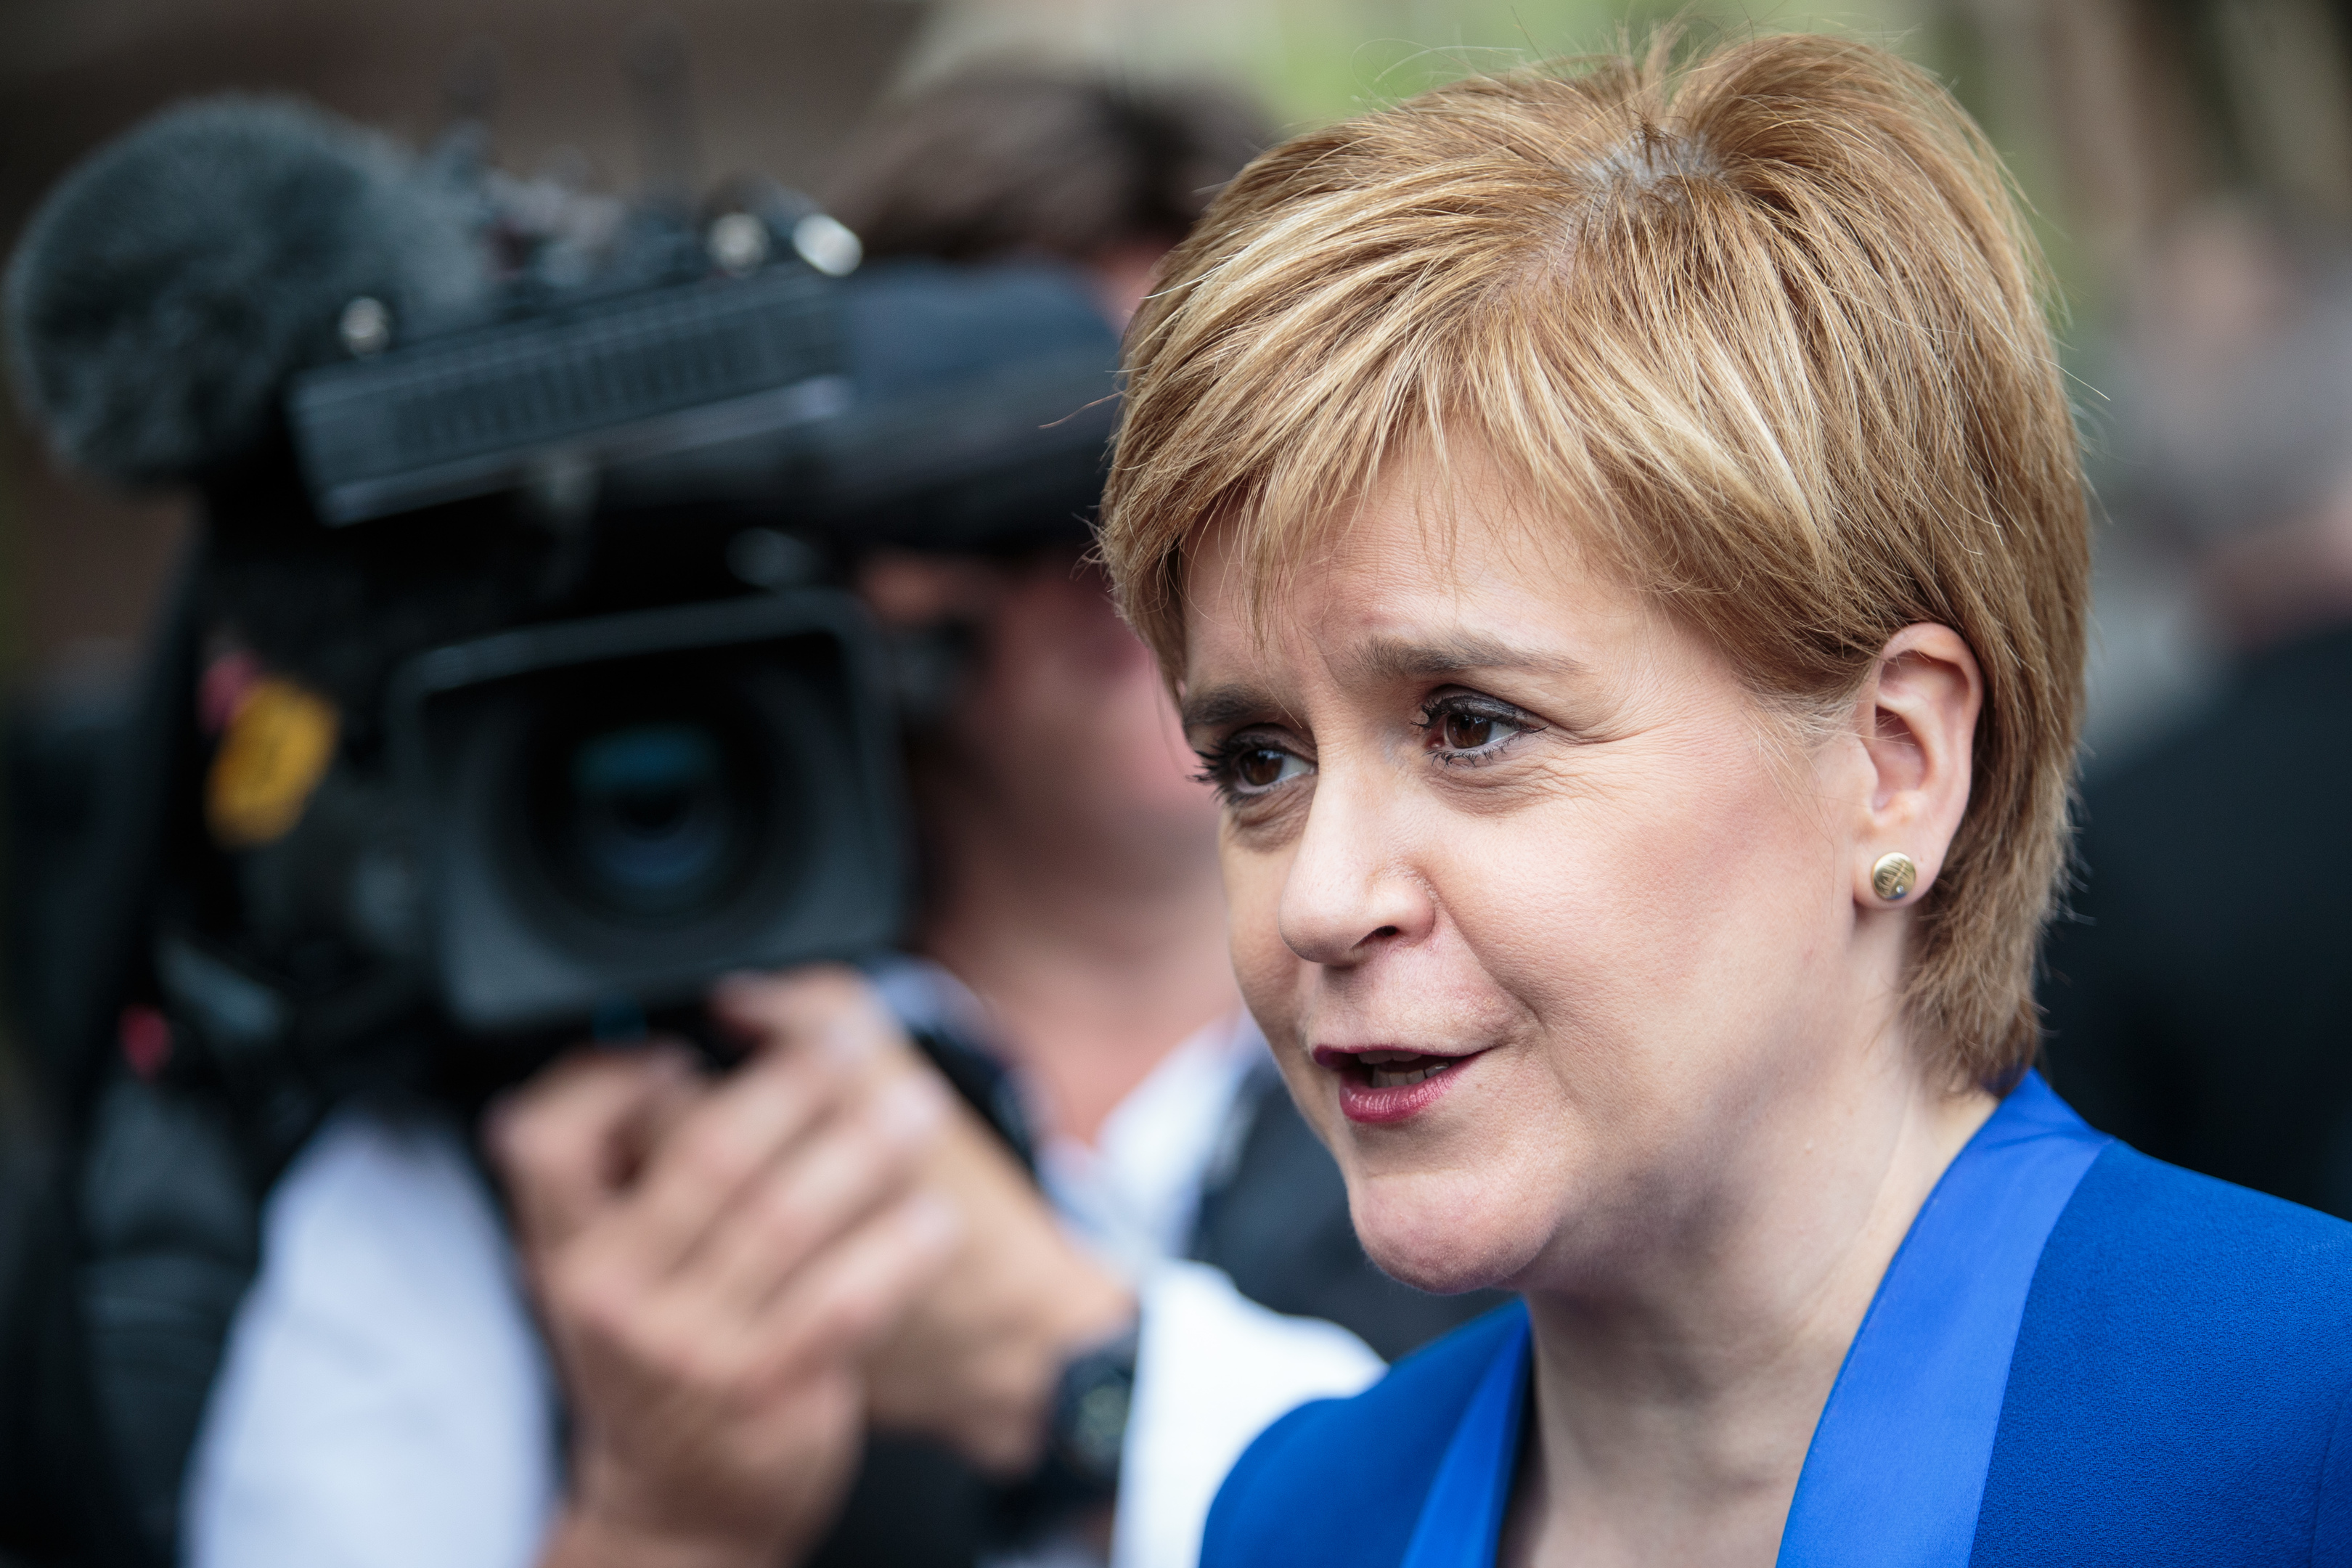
column 171, row 282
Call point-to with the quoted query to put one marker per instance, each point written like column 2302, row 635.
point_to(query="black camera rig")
column 556, row 530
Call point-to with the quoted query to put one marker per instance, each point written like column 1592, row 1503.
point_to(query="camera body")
column 609, row 810
column 688, row 761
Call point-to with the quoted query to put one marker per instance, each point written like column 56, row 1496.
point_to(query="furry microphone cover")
column 163, row 295
column 171, row 283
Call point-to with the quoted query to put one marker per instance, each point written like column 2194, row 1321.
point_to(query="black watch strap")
column 1085, row 1434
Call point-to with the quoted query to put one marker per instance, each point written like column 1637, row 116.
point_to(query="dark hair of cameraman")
column 1004, row 162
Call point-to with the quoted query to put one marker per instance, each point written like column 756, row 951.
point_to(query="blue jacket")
column 2079, row 1356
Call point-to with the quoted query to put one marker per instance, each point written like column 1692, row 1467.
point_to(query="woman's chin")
column 1443, row 1233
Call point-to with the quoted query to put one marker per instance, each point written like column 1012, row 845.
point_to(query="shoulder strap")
column 133, row 1236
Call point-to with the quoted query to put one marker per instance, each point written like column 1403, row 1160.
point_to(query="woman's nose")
column 1349, row 888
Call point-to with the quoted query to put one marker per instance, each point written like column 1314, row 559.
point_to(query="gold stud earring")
column 1893, row 877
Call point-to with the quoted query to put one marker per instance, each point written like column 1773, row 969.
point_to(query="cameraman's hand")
column 711, row 1260
column 975, row 1361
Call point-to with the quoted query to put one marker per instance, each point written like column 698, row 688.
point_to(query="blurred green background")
column 2117, row 116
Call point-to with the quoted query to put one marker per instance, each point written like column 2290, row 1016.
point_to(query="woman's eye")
column 1466, row 731
column 1460, row 729
column 1245, row 772
column 1261, row 768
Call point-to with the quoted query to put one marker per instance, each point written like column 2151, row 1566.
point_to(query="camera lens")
column 650, row 808
column 653, row 821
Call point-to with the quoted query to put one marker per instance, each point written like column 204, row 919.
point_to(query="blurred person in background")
column 1070, row 854
column 2197, row 996
column 1072, row 917
column 1073, row 914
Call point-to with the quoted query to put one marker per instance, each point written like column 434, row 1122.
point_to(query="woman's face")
column 1553, row 940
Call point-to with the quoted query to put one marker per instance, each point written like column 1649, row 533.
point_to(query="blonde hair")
column 1765, row 321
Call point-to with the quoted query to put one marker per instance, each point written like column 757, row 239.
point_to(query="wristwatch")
column 1086, row 1430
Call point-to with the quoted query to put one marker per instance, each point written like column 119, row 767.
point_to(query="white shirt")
column 1132, row 1196
column 384, row 1399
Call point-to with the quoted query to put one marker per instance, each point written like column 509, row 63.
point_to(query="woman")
column 1617, row 539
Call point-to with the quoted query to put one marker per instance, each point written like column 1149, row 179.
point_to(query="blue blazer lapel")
column 1895, row 1474
column 1462, row 1521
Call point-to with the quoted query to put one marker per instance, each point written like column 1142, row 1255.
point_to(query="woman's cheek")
column 1263, row 966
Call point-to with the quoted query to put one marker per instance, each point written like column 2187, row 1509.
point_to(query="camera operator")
column 411, row 647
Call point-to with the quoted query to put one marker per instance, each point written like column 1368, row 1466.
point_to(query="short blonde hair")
column 1765, row 320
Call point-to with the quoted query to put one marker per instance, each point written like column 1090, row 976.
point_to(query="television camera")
column 527, row 695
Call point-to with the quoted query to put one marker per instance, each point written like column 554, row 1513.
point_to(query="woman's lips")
column 1380, row 1085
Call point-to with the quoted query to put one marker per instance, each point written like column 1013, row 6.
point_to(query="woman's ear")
column 1918, row 719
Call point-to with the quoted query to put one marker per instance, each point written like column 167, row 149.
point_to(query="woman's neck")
column 1673, row 1417
column 1096, row 965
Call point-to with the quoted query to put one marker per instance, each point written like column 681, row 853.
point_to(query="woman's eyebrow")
column 1406, row 659
column 1384, row 659
column 1221, row 705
